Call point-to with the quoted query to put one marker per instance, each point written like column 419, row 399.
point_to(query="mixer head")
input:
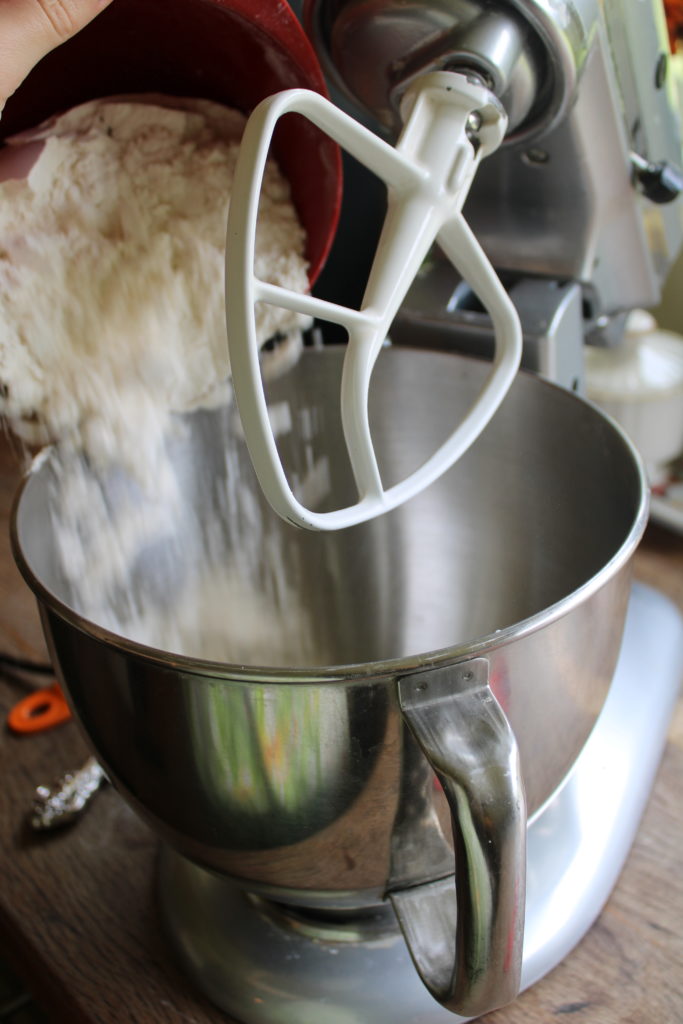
column 592, row 110
column 374, row 49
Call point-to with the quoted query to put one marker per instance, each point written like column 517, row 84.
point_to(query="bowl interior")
column 202, row 567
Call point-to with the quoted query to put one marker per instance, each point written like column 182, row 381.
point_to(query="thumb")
column 31, row 28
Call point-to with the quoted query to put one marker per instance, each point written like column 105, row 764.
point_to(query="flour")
column 111, row 272
column 111, row 324
column 220, row 618
column 196, row 564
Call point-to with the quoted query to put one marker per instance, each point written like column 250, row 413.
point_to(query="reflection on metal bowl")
column 293, row 776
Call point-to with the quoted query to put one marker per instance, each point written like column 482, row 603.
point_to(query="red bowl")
column 235, row 52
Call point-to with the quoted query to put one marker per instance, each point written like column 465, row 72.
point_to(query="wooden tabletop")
column 77, row 907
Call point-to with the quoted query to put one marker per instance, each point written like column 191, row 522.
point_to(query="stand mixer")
column 453, row 772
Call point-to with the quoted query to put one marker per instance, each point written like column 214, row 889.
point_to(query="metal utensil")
column 66, row 799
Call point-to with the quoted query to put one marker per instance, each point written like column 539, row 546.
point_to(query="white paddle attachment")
column 450, row 124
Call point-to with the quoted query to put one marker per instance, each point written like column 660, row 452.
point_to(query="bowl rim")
column 352, row 672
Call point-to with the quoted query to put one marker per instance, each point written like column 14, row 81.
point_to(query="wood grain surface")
column 77, row 907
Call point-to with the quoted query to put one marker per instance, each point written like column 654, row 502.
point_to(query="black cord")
column 25, row 664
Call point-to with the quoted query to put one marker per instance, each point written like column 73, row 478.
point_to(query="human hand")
column 31, row 28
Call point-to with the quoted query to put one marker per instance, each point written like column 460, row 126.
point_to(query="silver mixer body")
column 559, row 208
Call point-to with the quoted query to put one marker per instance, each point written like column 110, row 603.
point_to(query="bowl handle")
column 466, row 938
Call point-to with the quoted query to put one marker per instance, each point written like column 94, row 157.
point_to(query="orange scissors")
column 40, row 710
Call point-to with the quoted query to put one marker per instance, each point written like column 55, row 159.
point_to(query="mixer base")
column 271, row 967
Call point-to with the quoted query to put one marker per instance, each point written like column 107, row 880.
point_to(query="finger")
column 31, row 28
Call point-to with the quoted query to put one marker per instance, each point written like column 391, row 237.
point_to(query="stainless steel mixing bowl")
column 508, row 577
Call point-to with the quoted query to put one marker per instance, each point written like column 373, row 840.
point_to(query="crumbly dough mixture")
column 111, row 272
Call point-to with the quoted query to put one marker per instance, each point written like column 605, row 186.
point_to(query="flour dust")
column 112, row 331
